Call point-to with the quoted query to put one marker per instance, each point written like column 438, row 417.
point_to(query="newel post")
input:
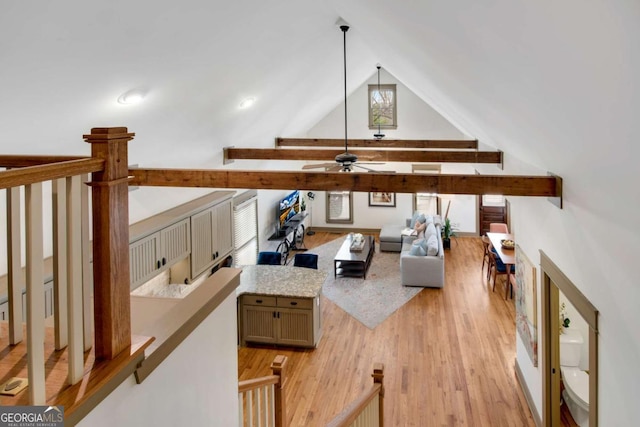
column 110, row 198
column 280, row 402
column 378, row 378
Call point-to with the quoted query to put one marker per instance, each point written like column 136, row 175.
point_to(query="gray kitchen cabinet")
column 211, row 236
column 157, row 252
column 290, row 321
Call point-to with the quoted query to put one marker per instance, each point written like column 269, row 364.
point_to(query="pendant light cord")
column 344, row 29
column 378, row 95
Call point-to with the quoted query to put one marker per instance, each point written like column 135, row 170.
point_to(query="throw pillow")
column 415, row 216
column 423, row 244
column 432, row 245
column 416, row 249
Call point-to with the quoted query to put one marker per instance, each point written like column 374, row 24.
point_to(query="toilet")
column 575, row 380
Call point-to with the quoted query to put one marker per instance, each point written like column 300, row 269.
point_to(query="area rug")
column 372, row 300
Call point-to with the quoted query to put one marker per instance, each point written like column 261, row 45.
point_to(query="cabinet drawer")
column 295, row 302
column 259, row 300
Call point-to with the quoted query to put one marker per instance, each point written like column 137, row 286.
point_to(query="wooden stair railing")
column 77, row 327
column 261, row 401
column 368, row 409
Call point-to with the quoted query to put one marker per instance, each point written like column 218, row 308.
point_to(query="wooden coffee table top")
column 345, row 254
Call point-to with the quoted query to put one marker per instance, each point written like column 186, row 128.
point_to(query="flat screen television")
column 288, row 207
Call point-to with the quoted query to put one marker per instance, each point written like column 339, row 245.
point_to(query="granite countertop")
column 281, row 280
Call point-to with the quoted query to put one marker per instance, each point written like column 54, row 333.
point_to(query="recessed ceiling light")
column 134, row 96
column 247, row 102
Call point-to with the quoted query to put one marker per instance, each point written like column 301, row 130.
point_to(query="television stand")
column 294, row 225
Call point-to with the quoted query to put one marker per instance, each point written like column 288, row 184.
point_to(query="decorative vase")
column 446, row 243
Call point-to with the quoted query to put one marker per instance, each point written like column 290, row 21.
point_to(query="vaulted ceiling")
column 533, row 79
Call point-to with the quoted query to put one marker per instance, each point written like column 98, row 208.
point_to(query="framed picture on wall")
column 382, row 199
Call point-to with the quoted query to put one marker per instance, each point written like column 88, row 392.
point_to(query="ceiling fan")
column 345, row 162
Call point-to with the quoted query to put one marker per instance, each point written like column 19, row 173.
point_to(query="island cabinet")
column 280, row 305
column 280, row 320
column 200, row 231
column 211, row 236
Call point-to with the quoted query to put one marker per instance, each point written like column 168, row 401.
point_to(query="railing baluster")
column 35, row 294
column 74, row 292
column 59, row 211
column 14, row 268
column 87, row 272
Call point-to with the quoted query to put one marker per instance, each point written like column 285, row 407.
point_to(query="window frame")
column 374, row 88
column 426, row 169
column 328, row 218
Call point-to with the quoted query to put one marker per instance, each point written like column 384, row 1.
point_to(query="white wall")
column 196, row 385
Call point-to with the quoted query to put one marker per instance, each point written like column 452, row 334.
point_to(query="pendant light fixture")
column 345, row 159
column 378, row 135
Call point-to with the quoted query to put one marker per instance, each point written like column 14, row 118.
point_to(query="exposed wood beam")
column 508, row 185
column 378, row 143
column 415, row 156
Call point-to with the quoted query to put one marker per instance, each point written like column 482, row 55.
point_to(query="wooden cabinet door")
column 176, row 242
column 295, row 327
column 258, row 324
column 201, row 242
column 144, row 259
column 224, row 229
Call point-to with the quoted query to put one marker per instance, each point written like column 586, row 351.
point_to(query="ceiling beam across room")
column 414, row 156
column 449, row 144
column 508, row 185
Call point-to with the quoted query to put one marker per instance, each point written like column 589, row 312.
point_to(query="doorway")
column 555, row 283
column 491, row 208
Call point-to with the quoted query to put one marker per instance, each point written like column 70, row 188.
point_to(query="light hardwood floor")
column 448, row 353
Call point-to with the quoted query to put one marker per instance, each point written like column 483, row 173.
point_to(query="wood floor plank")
column 448, row 355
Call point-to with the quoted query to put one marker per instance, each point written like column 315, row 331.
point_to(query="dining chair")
column 498, row 227
column 269, row 258
column 486, row 245
column 497, row 267
column 306, row 260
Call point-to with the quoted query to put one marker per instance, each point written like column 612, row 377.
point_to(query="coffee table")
column 354, row 264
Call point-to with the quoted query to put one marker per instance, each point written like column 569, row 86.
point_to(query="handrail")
column 365, row 406
column 22, row 160
column 355, row 408
column 253, row 383
column 269, row 407
column 47, row 172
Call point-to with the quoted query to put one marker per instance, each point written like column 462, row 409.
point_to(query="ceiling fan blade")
column 368, row 169
column 319, row 165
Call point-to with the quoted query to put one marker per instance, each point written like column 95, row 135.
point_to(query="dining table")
column 507, row 256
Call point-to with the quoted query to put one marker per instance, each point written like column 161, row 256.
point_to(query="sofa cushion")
column 430, row 231
column 432, row 245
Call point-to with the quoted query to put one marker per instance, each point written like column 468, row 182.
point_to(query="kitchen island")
column 280, row 305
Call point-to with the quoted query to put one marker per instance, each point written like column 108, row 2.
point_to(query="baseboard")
column 527, row 395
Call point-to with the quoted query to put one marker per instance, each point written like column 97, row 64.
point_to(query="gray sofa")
column 422, row 270
column 415, row 270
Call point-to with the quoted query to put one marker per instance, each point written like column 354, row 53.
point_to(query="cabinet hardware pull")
column 158, row 263
column 294, row 303
column 164, row 260
column 259, row 301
